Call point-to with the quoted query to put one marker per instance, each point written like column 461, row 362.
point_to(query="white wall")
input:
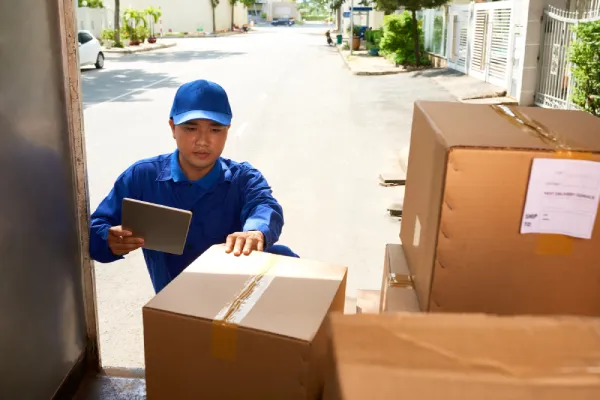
column 527, row 20
column 190, row 15
column 94, row 19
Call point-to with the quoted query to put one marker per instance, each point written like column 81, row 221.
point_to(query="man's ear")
column 172, row 125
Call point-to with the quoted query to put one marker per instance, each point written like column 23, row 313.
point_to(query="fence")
column 555, row 85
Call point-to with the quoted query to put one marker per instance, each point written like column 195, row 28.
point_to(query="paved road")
column 320, row 135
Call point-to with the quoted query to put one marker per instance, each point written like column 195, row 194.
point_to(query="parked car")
column 283, row 21
column 90, row 50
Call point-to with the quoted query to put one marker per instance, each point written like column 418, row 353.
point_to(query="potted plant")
column 373, row 49
column 154, row 14
column 355, row 38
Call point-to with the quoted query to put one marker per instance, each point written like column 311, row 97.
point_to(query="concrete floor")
column 320, row 135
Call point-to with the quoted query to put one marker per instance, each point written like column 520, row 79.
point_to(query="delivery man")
column 231, row 202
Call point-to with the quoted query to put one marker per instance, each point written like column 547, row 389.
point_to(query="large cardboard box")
column 467, row 182
column 249, row 327
column 397, row 291
column 429, row 356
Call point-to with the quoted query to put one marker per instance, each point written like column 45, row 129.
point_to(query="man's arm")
column 260, row 211
column 107, row 215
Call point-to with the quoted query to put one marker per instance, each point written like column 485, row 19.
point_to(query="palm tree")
column 214, row 4
column 118, row 23
column 233, row 3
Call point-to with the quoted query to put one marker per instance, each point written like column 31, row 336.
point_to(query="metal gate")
column 555, row 85
column 458, row 36
column 491, row 42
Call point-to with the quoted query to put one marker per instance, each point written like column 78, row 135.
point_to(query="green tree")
column 389, row 6
column 249, row 4
column 118, row 24
column 154, row 13
column 214, row 4
column 585, row 58
column 233, row 3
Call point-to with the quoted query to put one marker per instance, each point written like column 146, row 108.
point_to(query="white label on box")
column 562, row 197
column 417, row 235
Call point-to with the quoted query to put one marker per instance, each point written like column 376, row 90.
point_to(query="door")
column 458, row 34
column 491, row 43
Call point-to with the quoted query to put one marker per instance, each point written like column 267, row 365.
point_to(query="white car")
column 90, row 50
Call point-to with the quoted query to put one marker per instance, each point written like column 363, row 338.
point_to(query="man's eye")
column 190, row 129
column 217, row 130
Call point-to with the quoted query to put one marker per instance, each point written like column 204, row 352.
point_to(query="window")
column 84, row 37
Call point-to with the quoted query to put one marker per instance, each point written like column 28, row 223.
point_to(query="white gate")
column 491, row 42
column 555, row 85
column 458, row 36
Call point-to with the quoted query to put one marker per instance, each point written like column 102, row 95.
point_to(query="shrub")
column 373, row 36
column 585, row 59
column 397, row 42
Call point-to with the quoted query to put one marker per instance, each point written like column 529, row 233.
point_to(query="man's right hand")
column 122, row 242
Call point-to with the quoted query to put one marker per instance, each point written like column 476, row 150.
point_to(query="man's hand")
column 122, row 242
column 245, row 242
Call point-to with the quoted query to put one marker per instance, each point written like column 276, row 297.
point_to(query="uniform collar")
column 172, row 171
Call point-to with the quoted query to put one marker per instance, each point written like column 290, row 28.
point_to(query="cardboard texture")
column 397, row 291
column 429, row 356
column 272, row 344
column 466, row 186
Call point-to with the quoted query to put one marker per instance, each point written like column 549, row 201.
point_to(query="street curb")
column 367, row 73
column 139, row 49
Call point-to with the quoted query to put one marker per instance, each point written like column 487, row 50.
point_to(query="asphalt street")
column 320, row 135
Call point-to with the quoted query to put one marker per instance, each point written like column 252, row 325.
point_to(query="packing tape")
column 400, row 281
column 546, row 244
column 226, row 322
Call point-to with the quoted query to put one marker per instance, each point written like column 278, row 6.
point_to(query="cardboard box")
column 397, row 291
column 428, row 356
column 467, row 182
column 272, row 345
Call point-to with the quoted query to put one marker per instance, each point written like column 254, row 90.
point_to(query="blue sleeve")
column 260, row 211
column 108, row 214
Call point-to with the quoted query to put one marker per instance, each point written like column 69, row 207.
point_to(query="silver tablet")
column 162, row 228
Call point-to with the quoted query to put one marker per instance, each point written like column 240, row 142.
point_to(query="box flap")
column 280, row 295
column 474, row 125
column 470, row 348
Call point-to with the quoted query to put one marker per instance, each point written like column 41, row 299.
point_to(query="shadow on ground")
column 101, row 86
column 434, row 73
column 174, row 56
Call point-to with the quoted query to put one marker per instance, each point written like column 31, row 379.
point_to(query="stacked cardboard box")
column 499, row 217
column 491, row 225
column 475, row 176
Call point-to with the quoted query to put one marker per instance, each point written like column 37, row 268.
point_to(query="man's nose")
column 202, row 138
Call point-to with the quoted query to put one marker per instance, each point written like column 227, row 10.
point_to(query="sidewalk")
column 361, row 63
column 464, row 87
column 161, row 44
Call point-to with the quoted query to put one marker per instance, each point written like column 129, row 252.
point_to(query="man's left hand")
column 245, row 242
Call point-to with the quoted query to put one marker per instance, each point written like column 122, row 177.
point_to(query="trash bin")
column 339, row 38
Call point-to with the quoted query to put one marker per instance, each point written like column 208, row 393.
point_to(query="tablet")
column 162, row 228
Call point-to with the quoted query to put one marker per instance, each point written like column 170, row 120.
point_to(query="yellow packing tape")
column 546, row 244
column 401, row 281
column 226, row 322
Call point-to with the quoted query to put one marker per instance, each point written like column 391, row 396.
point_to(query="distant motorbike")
column 329, row 40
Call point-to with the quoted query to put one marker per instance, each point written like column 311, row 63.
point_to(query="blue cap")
column 201, row 99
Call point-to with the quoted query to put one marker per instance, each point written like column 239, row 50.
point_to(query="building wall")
column 94, row 20
column 525, row 73
column 190, row 15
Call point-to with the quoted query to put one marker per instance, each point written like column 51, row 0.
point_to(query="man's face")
column 200, row 142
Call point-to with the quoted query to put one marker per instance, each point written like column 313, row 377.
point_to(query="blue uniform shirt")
column 232, row 197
